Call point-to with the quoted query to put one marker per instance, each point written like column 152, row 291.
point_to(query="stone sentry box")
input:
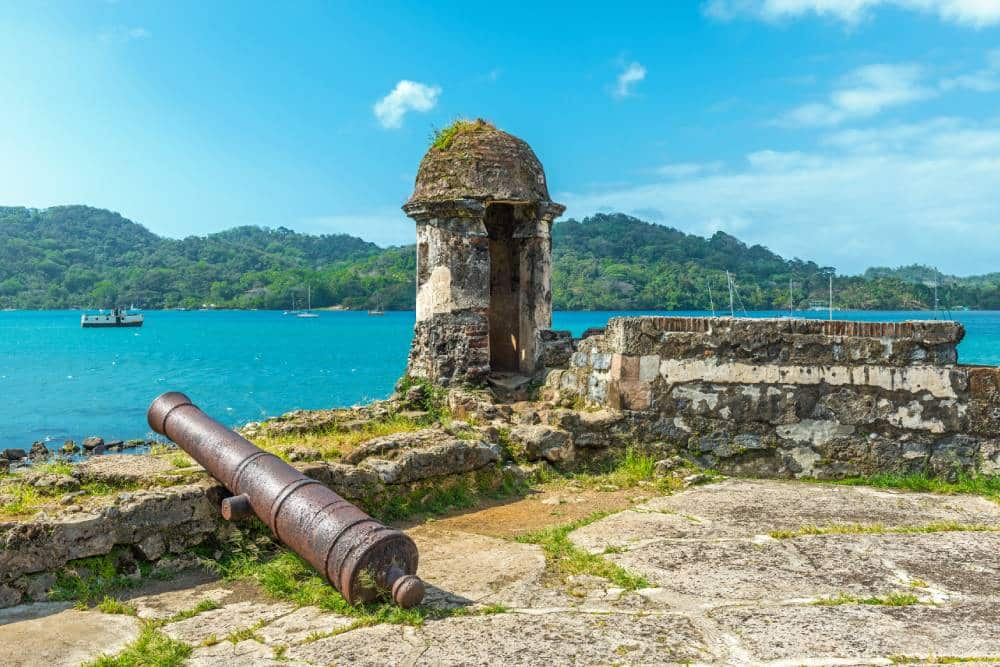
column 793, row 397
column 484, row 256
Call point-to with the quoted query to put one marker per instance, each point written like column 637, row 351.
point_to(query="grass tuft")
column 894, row 599
column 442, row 138
column 54, row 468
column 879, row 529
column 633, row 468
column 88, row 579
column 203, row 606
column 151, row 649
column 567, row 559
column 942, row 659
column 22, row 499
column 334, row 442
column 110, row 605
column 980, row 485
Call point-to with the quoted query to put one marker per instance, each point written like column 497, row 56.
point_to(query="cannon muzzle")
column 359, row 556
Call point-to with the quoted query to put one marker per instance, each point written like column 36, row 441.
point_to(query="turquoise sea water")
column 58, row 381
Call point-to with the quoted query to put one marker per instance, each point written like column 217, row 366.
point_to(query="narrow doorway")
column 504, row 309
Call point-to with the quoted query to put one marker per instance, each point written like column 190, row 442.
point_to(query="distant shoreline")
column 342, row 309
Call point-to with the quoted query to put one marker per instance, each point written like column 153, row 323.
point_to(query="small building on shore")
column 484, row 255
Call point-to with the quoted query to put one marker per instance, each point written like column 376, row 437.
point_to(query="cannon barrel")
column 359, row 556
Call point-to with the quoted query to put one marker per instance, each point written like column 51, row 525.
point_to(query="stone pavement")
column 723, row 590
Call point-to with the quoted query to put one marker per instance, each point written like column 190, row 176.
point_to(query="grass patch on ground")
column 942, row 659
column 110, row 605
column 634, row 468
column 439, row 498
column 980, row 485
column 151, row 649
column 894, row 599
column 88, row 579
column 182, row 460
column 54, row 467
column 568, row 559
column 877, row 529
column 20, row 498
column 204, row 605
column 334, row 442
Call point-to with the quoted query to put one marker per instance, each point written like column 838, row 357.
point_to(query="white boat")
column 308, row 311
column 377, row 311
column 117, row 317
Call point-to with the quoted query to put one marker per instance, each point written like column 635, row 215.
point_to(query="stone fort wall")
column 785, row 397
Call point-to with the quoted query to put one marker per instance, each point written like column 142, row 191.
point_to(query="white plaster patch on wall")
column 434, row 296
column 649, row 367
column 681, row 424
column 601, row 361
column 807, row 459
column 911, row 417
column 990, row 457
column 597, row 386
column 816, row 431
column 696, row 396
column 936, row 380
column 569, row 382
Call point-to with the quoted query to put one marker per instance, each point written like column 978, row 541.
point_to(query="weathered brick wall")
column 794, row 397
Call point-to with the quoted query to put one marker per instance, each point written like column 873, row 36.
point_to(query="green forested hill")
column 616, row 261
column 77, row 256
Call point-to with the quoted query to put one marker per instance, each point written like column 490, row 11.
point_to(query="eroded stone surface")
column 53, row 635
column 865, row 631
column 301, row 625
column 168, row 603
column 463, row 568
column 375, row 646
column 247, row 653
column 564, row 639
column 220, row 623
column 123, row 469
column 748, row 507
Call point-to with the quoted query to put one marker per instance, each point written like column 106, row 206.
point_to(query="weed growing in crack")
column 567, row 559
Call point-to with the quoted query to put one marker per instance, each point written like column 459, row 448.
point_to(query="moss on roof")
column 472, row 159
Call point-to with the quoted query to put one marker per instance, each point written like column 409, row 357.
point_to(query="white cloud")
column 121, row 34
column 405, row 97
column 984, row 80
column 973, row 13
column 891, row 195
column 864, row 93
column 687, row 169
column 627, row 80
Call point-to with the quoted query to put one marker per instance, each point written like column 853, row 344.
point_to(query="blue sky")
column 851, row 132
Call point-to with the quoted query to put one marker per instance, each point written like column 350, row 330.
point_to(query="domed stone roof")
column 475, row 160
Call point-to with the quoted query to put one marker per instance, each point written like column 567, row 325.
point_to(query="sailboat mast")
column 831, row 296
column 791, row 306
column 732, row 309
column 711, row 301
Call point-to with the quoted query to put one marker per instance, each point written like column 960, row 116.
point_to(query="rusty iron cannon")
column 359, row 556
